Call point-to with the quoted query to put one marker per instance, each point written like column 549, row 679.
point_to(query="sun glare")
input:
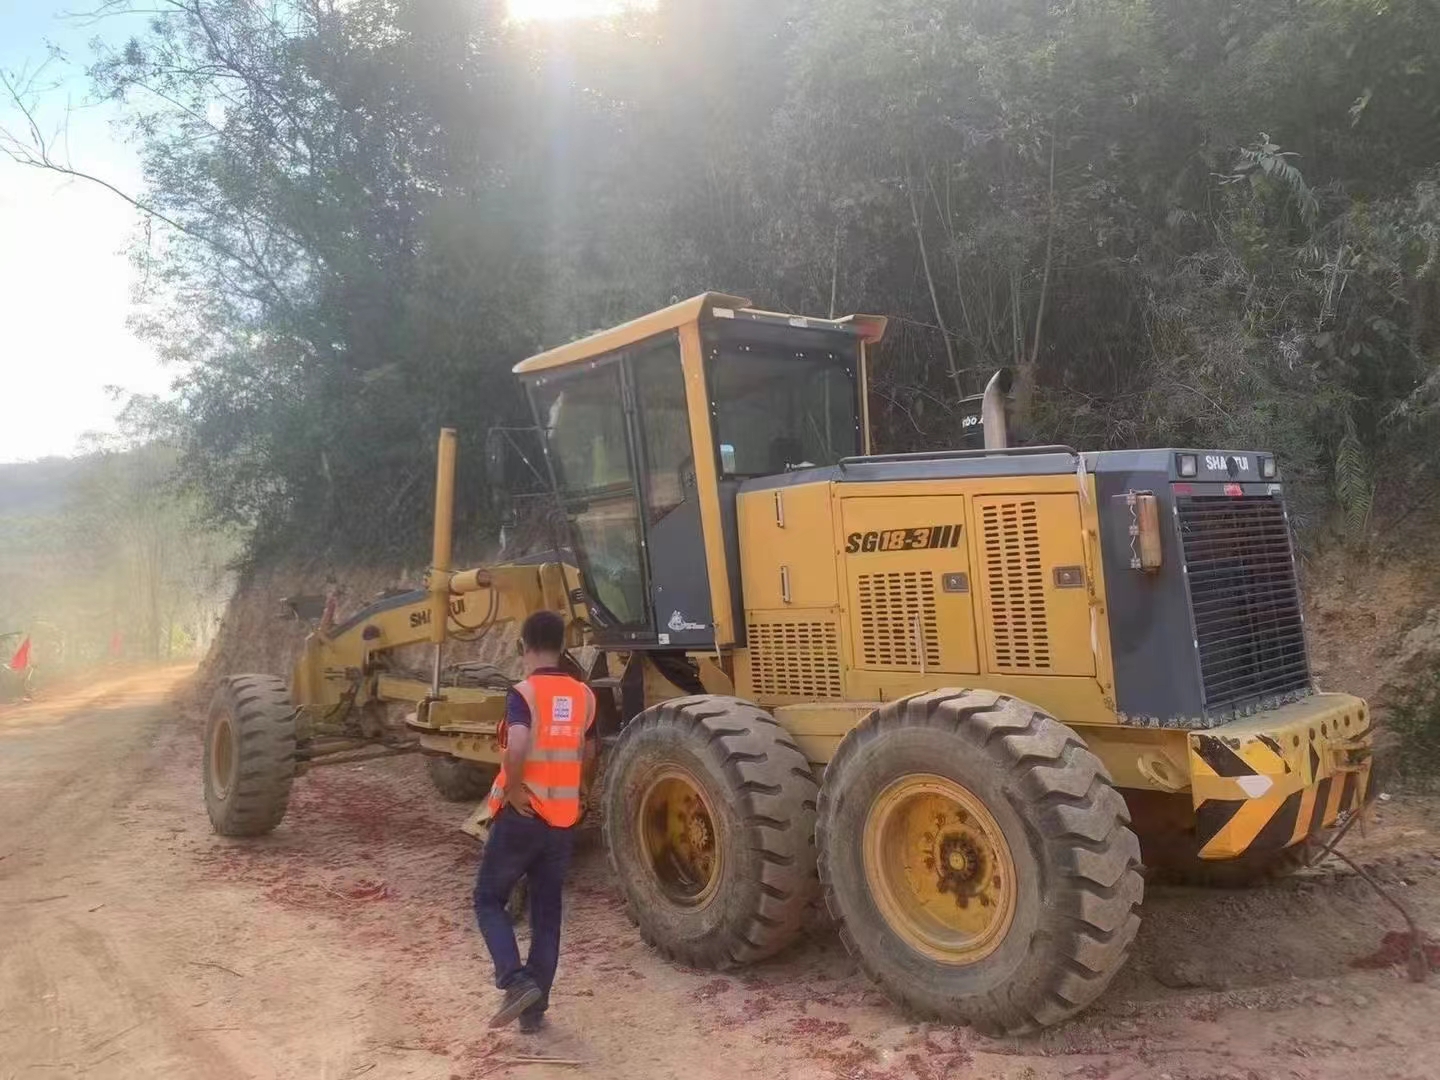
column 556, row 10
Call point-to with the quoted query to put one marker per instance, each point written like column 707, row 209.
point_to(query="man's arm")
column 517, row 748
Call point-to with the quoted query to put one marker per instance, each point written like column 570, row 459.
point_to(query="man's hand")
column 517, row 747
column 517, row 798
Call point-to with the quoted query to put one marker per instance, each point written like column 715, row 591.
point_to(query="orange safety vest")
column 561, row 710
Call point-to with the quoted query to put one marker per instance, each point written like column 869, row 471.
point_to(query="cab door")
column 678, row 581
column 617, row 438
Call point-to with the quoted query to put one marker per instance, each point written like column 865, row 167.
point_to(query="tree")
column 1180, row 222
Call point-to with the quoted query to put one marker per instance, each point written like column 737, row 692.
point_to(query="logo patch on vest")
column 562, row 709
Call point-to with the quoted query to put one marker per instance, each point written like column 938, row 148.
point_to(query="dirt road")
column 135, row 943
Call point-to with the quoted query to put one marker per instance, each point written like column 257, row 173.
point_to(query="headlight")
column 1267, row 468
column 1188, row 464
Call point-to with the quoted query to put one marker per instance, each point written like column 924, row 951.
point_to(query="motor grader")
column 958, row 694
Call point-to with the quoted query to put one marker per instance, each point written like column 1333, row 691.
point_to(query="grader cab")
column 960, row 695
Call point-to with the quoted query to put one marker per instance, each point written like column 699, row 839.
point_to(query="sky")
column 65, row 282
column 528, row 10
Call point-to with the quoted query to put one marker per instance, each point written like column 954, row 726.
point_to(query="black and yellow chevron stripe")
column 1266, row 786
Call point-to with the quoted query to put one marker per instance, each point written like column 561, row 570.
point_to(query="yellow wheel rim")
column 939, row 869
column 222, row 757
column 676, row 826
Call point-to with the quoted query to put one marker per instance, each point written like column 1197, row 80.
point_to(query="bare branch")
column 930, row 282
column 37, row 154
column 1049, row 253
column 255, row 83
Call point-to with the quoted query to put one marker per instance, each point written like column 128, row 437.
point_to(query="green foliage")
column 372, row 210
column 1354, row 487
column 1413, row 718
column 114, row 553
column 1265, row 163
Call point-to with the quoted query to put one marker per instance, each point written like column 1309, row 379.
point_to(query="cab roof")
column 708, row 305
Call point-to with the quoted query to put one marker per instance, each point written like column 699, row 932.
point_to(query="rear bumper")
column 1275, row 778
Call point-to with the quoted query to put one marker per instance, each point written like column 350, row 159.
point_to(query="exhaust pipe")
column 992, row 410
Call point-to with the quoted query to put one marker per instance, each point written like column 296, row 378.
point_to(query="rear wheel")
column 458, row 780
column 249, row 758
column 978, row 860
column 709, row 811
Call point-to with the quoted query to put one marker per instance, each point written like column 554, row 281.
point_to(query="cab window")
column 777, row 410
column 659, row 383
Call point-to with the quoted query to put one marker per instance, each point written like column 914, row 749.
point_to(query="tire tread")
column 263, row 726
column 1090, row 858
column 458, row 780
column 775, row 797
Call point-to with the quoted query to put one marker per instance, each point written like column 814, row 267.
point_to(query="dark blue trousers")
column 527, row 847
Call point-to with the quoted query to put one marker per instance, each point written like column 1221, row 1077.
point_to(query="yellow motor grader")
column 957, row 694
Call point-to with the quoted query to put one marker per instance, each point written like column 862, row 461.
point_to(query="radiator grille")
column 795, row 659
column 1244, row 597
column 897, row 612
column 1015, row 582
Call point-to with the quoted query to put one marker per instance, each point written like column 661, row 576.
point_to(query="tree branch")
column 1049, row 251
column 36, row 154
column 255, row 83
column 930, row 282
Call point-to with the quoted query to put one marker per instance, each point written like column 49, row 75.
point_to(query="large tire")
column 1057, row 899
column 736, row 889
column 249, row 760
column 458, row 780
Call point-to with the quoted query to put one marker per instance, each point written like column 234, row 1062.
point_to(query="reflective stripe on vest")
column 560, row 714
column 497, row 792
column 557, row 755
column 540, row 791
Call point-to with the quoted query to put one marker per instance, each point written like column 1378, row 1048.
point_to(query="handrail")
column 951, row 455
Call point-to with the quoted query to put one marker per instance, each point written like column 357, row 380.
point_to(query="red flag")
column 21, row 660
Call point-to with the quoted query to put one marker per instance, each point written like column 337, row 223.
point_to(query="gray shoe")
column 519, row 996
column 531, row 1021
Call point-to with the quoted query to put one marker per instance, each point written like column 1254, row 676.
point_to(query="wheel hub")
column 697, row 832
column 677, row 831
column 939, row 868
column 960, row 867
column 222, row 757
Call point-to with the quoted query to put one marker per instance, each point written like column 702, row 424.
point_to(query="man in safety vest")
column 548, row 738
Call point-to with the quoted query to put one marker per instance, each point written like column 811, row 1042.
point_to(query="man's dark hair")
column 543, row 632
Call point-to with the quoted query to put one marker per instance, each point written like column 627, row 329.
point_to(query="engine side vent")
column 1015, row 584
column 794, row 659
column 897, row 613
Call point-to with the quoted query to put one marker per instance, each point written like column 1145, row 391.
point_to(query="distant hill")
column 38, row 488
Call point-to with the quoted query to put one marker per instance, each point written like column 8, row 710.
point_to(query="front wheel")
column 249, row 758
column 978, row 861
column 458, row 780
column 709, row 817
